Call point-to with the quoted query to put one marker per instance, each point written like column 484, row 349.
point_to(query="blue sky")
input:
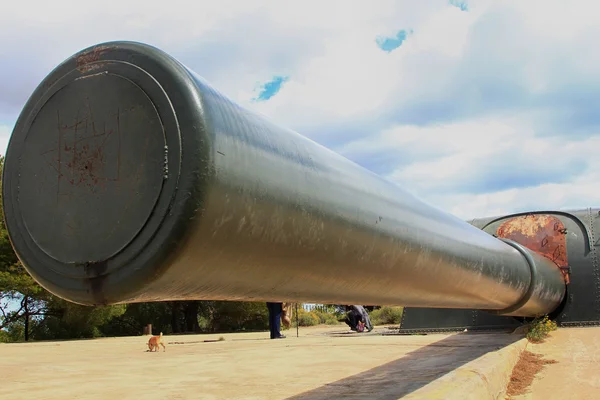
column 479, row 107
column 270, row 88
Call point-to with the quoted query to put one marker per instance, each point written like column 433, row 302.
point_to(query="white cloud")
column 5, row 132
column 506, row 91
column 493, row 166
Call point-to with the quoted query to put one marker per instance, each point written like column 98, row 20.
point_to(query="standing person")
column 275, row 310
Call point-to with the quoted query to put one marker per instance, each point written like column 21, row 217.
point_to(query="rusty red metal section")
column 86, row 61
column 543, row 233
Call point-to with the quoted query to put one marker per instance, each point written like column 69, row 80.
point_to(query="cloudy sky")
column 479, row 107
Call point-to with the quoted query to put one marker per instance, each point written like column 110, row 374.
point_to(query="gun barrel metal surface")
column 128, row 178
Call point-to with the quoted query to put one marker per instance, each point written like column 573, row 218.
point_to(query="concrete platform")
column 576, row 373
column 322, row 363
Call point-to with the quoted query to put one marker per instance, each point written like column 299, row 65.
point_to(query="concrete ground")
column 317, row 365
column 576, row 375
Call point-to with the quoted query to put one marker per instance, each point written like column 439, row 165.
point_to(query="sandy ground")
column 576, row 373
column 317, row 365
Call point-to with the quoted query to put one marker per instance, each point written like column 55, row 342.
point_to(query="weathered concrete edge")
column 483, row 378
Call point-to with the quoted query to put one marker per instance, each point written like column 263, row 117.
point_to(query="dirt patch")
column 528, row 366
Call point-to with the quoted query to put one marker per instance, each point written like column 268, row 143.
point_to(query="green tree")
column 74, row 321
column 231, row 316
column 138, row 315
column 21, row 298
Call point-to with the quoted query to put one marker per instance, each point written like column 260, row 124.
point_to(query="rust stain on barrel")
column 85, row 62
column 543, row 233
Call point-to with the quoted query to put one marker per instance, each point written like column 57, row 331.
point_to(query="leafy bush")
column 315, row 317
column 386, row 315
column 539, row 329
column 203, row 323
column 326, row 318
column 12, row 333
column 75, row 321
column 306, row 318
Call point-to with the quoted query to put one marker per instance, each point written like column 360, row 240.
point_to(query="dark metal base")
column 416, row 320
column 437, row 320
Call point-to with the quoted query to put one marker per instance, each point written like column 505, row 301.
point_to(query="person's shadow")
column 412, row 371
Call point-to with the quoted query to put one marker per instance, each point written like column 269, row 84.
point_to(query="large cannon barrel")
column 128, row 178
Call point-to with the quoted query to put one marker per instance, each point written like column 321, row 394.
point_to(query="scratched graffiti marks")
column 92, row 168
column 81, row 155
column 85, row 62
column 545, row 234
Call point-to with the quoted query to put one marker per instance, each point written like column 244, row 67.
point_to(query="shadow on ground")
column 411, row 372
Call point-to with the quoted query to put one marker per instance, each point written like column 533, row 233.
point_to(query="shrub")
column 539, row 329
column 386, row 315
column 306, row 318
column 204, row 323
column 315, row 317
column 326, row 318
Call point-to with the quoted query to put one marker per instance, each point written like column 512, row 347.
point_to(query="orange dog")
column 286, row 314
column 155, row 342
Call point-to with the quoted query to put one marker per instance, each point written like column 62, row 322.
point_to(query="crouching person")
column 358, row 319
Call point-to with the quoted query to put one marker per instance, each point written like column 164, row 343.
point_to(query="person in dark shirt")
column 275, row 310
column 358, row 319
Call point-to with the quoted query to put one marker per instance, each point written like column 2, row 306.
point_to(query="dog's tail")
column 160, row 334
